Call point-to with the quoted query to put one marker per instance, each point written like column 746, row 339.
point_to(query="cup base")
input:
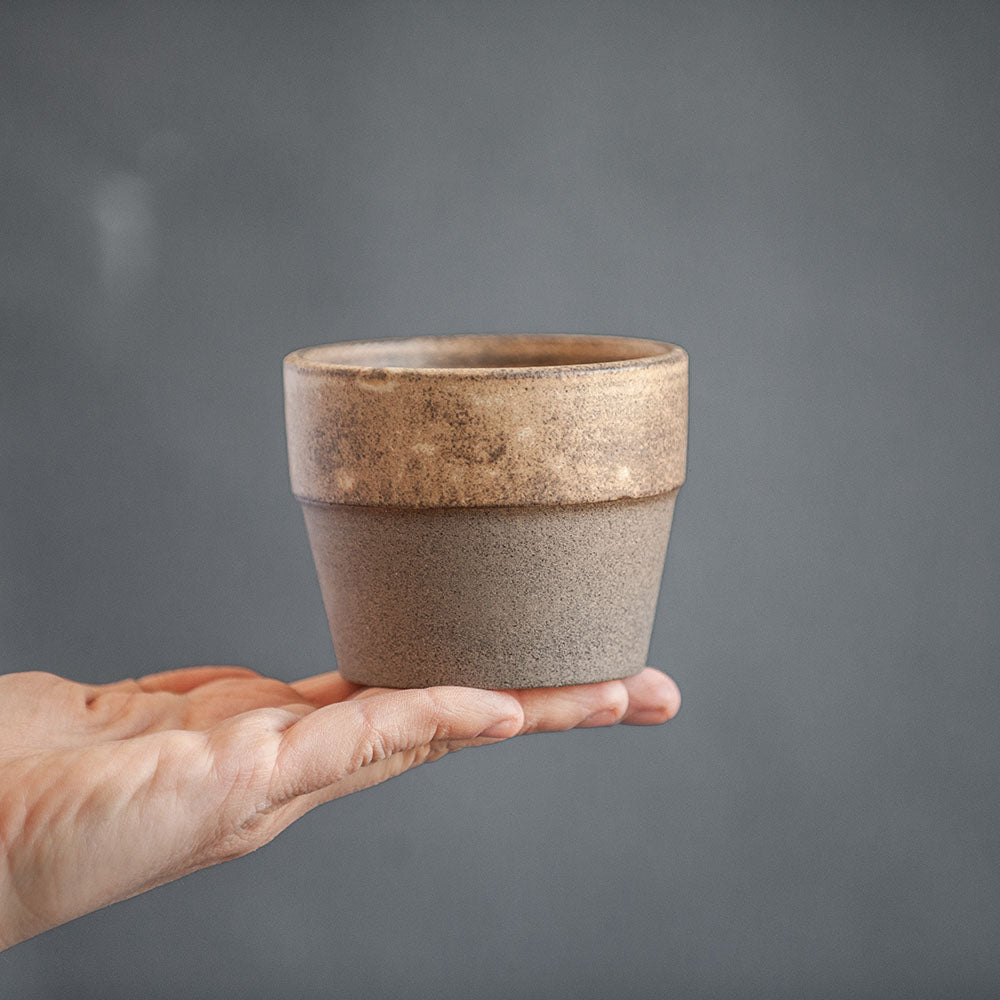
column 490, row 597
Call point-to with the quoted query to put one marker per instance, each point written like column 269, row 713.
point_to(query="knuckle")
column 372, row 743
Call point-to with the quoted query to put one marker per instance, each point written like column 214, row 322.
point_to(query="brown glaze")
column 483, row 420
column 497, row 597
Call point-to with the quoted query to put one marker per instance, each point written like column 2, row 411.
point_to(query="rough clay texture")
column 495, row 597
column 486, row 420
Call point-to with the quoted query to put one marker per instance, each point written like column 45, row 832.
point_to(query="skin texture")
column 109, row 790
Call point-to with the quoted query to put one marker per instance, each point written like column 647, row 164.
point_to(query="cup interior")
column 486, row 351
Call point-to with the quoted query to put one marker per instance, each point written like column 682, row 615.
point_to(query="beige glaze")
column 484, row 420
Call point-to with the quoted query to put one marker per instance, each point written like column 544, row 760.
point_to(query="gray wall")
column 805, row 196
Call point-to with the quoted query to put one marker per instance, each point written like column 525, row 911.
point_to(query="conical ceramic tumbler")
column 488, row 510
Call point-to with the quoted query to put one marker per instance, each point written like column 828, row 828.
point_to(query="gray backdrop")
column 805, row 196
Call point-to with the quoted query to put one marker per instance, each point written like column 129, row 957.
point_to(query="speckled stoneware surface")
column 488, row 510
column 498, row 597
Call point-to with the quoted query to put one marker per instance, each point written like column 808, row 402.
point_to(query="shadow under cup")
column 488, row 510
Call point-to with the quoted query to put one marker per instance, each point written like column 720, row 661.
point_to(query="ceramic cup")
column 488, row 510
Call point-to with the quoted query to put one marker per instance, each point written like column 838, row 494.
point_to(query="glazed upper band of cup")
column 486, row 420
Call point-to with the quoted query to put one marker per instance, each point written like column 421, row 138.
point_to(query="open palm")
column 109, row 790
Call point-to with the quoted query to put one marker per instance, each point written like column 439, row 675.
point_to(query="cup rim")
column 642, row 353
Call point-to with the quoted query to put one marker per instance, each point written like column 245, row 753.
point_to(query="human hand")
column 109, row 790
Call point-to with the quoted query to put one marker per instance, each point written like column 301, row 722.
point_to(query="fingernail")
column 501, row 730
column 605, row 717
column 651, row 717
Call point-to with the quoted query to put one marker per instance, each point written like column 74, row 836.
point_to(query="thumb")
column 333, row 743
